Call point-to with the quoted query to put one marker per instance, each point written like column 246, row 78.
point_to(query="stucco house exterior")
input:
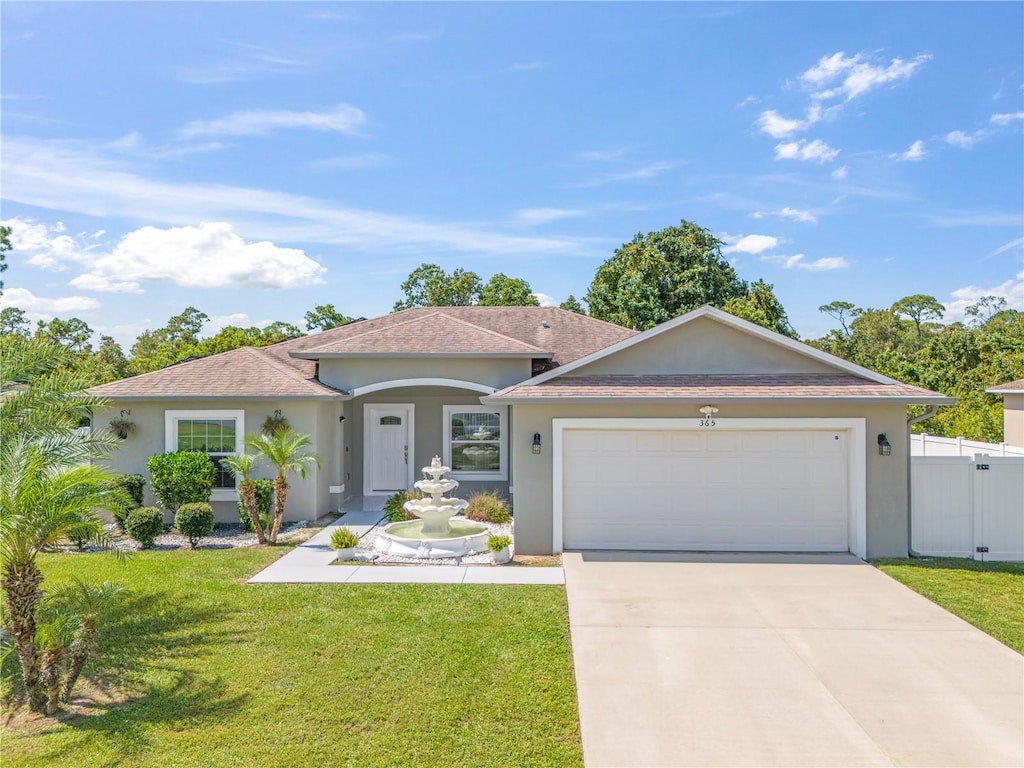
column 1012, row 393
column 704, row 433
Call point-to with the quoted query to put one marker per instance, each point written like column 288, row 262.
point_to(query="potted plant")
column 499, row 548
column 275, row 424
column 344, row 541
column 122, row 427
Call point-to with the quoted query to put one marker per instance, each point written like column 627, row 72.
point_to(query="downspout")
column 930, row 411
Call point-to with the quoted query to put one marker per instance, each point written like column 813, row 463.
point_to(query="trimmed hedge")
column 194, row 521
column 181, row 478
column 144, row 525
column 131, row 488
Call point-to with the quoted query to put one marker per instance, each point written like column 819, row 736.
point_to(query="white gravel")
column 224, row 536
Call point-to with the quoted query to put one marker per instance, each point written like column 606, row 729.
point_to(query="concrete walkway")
column 772, row 660
column 310, row 563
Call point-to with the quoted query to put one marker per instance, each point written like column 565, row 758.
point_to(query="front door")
column 388, row 433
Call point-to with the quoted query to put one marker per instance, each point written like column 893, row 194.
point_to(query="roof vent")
column 544, row 324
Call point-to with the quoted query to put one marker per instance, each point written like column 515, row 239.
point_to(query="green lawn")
column 988, row 595
column 226, row 674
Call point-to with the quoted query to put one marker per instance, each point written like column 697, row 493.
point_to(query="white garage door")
column 782, row 491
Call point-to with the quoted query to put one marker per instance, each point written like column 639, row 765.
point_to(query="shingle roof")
column 1009, row 388
column 242, row 372
column 565, row 336
column 425, row 334
column 746, row 386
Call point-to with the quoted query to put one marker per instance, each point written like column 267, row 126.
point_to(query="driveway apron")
column 776, row 660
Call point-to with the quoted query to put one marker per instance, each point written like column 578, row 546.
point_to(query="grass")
column 988, row 595
column 220, row 673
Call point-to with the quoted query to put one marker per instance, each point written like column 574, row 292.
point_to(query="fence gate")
column 968, row 507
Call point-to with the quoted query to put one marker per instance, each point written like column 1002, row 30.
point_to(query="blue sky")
column 254, row 160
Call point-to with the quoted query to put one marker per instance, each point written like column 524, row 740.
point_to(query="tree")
column 919, row 308
column 986, row 308
column 242, row 467
column 762, row 307
column 658, row 276
column 325, row 317
column 5, row 246
column 13, row 320
column 504, row 291
column 286, row 451
column 279, row 331
column 430, row 286
column 170, row 344
column 842, row 311
column 73, row 334
column 572, row 304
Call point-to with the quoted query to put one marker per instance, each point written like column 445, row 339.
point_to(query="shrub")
column 181, row 478
column 344, row 537
column 498, row 543
column 488, row 508
column 194, row 521
column 144, row 525
column 130, row 487
column 264, row 502
column 394, row 509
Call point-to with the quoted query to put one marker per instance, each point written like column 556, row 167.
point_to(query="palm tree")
column 52, row 639
column 86, row 601
column 242, row 466
column 285, row 451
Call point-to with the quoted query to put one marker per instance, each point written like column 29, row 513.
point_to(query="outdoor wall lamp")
column 708, row 411
column 884, row 446
column 536, row 442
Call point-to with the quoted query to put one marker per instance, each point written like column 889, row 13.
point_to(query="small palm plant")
column 52, row 638
column 286, row 451
column 242, row 466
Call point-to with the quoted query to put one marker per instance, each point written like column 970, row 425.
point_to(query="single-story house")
column 1013, row 411
column 704, row 433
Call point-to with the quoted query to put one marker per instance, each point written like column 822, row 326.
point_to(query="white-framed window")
column 476, row 441
column 217, row 433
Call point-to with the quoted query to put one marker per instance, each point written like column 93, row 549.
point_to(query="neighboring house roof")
column 433, row 333
column 1009, row 388
column 748, row 387
column 554, row 333
column 240, row 373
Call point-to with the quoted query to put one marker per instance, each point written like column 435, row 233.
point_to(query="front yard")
column 988, row 595
column 220, row 673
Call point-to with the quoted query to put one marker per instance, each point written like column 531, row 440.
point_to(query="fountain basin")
column 410, row 539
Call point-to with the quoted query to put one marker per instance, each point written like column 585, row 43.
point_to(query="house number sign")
column 709, row 411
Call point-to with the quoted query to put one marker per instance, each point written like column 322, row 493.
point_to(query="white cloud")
column 840, row 173
column 207, row 256
column 40, row 307
column 74, row 176
column 603, row 155
column 978, row 219
column 354, row 162
column 913, row 153
column 218, row 323
column 794, row 214
column 749, row 243
column 258, row 122
column 533, row 216
column 817, row 151
column 45, row 245
column 777, row 126
column 545, row 300
column 1006, row 119
column 963, row 140
column 102, row 284
column 856, row 75
column 1012, row 290
column 797, row 261
column 1006, row 247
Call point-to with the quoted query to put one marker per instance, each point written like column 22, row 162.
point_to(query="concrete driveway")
column 774, row 660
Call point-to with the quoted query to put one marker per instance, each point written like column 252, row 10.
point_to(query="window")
column 475, row 442
column 215, row 433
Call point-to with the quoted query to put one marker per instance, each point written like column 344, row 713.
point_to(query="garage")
column 742, row 485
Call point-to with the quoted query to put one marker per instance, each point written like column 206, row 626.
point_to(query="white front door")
column 387, row 448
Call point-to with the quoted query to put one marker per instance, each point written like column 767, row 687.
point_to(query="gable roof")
column 1009, row 388
column 246, row 372
column 555, row 333
column 433, row 333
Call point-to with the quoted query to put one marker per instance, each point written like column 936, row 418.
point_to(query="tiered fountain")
column 435, row 533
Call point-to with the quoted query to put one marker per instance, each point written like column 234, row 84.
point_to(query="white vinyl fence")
column 968, row 506
column 933, row 445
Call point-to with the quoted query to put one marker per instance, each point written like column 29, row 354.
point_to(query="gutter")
column 930, row 411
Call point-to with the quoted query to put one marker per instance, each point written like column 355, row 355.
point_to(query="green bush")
column 144, row 525
column 394, row 510
column 264, row 502
column 194, row 521
column 130, row 487
column 488, row 508
column 498, row 543
column 344, row 537
column 181, row 478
